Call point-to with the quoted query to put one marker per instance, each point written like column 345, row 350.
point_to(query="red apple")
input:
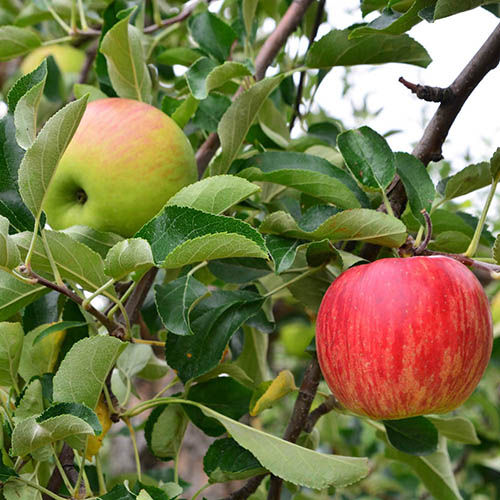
column 404, row 337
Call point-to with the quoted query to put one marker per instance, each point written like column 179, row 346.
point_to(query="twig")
column 300, row 88
column 267, row 53
column 428, row 93
column 66, row 458
column 112, row 327
column 300, row 414
column 89, row 60
column 326, row 407
column 134, row 303
column 428, row 235
column 247, row 489
column 172, row 20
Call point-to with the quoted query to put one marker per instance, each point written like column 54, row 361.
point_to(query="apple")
column 295, row 337
column 68, row 59
column 404, row 337
column 125, row 161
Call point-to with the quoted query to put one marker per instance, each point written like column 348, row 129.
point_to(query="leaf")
column 495, row 165
column 417, row 182
column 29, row 435
column 82, row 373
column 98, row 241
column 15, row 42
column 14, row 490
column 434, row 470
column 416, row 436
column 164, row 430
column 119, row 492
column 125, row 58
column 133, row 359
column 276, row 389
column 445, row 8
column 291, row 462
column 309, row 174
column 58, row 327
column 41, row 159
column 456, row 428
column 74, row 409
column 273, row 124
column 174, row 301
column 368, row 157
column 239, row 271
column 357, row 224
column 180, row 236
column 9, row 254
column 394, row 23
column 214, row 194
column 226, row 460
column 75, row 261
column 6, row 472
column 237, row 120
column 24, row 99
column 80, row 89
column 466, row 181
column 336, row 49
column 31, row 403
column 495, row 251
column 178, row 55
column 128, row 256
column 249, row 10
column 11, row 343
column 253, row 358
column 210, row 112
column 213, row 321
column 212, row 34
column 14, row 294
column 185, row 111
column 282, row 251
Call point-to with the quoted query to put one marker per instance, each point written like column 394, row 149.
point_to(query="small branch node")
column 428, row 233
column 428, row 93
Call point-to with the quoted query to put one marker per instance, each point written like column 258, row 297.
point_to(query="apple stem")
column 83, row 19
column 99, row 291
column 387, row 203
column 470, row 252
column 428, row 222
column 59, row 20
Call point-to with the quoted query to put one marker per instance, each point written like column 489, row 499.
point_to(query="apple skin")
column 124, row 162
column 404, row 337
column 68, row 59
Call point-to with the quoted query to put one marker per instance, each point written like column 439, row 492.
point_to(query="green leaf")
column 214, row 194
column 394, row 23
column 212, row 34
column 81, row 89
column 128, row 256
column 274, row 124
column 434, row 470
column 357, row 224
column 174, row 302
column 11, row 343
column 282, row 251
column 268, row 393
column 178, row 55
column 336, row 49
column 253, row 358
column 214, row 320
column 41, row 159
column 9, row 254
column 495, row 165
column 291, row 462
column 249, row 10
column 14, row 490
column 239, row 271
column 210, row 112
column 58, row 327
column 237, row 120
column 24, row 99
column 98, row 241
column 31, row 404
column 226, row 460
column 416, row 436
column 309, row 174
column 164, row 430
column 180, row 236
column 495, row 251
column 75, row 409
column 445, row 8
column 125, row 58
column 466, row 181
column 75, row 261
column 368, row 157
column 133, row 359
column 15, row 42
column 222, row 394
column 6, row 472
column 29, row 435
column 417, row 182
column 456, row 428
column 185, row 111
column 82, row 373
column 119, row 492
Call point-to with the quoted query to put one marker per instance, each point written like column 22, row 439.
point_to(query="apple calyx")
column 81, row 196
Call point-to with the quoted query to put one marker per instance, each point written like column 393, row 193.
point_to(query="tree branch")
column 247, row 489
column 298, row 421
column 172, row 20
column 265, row 57
column 138, row 296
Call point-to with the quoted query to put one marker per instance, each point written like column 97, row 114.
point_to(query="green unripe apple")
column 125, row 161
column 296, row 336
column 68, row 59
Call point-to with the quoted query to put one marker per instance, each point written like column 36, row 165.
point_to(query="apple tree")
column 197, row 317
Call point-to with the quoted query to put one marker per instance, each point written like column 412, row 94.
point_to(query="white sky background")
column 451, row 43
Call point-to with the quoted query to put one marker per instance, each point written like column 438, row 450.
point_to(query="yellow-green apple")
column 68, row 59
column 404, row 337
column 125, row 161
column 296, row 336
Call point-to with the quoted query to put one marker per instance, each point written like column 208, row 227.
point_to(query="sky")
column 451, row 43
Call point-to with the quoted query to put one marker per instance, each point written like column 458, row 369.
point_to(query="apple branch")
column 269, row 50
column 300, row 414
column 176, row 19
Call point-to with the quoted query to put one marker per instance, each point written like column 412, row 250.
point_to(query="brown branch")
column 66, row 457
column 300, row 87
column 247, row 489
column 172, row 20
column 300, row 414
column 327, row 406
column 89, row 60
column 428, row 93
column 267, row 53
column 112, row 327
column 428, row 222
column 138, row 296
